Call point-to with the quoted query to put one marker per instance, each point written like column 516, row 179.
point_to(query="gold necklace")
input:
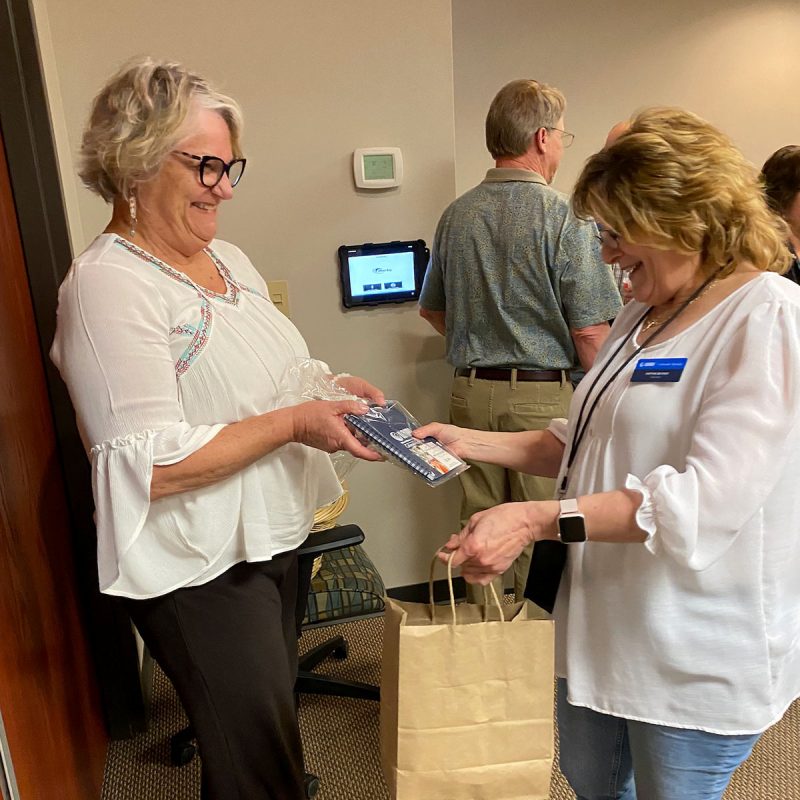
column 651, row 322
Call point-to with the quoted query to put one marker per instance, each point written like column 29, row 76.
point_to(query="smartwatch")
column 571, row 523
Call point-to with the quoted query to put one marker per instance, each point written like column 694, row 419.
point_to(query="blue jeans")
column 610, row 758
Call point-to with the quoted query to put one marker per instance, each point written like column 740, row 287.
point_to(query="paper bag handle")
column 496, row 601
column 452, row 591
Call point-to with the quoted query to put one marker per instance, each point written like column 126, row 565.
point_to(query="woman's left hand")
column 361, row 388
column 492, row 539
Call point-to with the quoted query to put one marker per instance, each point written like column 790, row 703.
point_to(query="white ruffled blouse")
column 156, row 366
column 699, row 627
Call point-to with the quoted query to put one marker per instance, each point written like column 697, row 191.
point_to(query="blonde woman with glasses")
column 678, row 614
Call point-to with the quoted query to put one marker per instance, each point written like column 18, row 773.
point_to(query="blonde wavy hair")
column 675, row 182
column 138, row 118
column 518, row 110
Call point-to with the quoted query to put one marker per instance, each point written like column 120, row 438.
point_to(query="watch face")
column 572, row 529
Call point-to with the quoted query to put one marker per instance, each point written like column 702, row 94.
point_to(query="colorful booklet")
column 387, row 429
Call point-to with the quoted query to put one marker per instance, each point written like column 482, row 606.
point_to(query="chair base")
column 183, row 748
column 309, row 682
column 311, row 784
column 336, row 646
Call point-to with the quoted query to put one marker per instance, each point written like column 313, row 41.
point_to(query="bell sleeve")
column 743, row 436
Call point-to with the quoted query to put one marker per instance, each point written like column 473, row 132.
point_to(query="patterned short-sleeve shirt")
column 514, row 270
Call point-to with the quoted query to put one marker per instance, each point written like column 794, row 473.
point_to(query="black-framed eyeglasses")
column 567, row 138
column 212, row 169
column 607, row 237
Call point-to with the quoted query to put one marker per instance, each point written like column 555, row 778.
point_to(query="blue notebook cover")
column 388, row 429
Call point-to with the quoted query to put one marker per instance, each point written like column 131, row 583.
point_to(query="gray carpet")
column 341, row 741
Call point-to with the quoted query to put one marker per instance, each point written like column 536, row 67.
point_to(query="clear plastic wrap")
column 309, row 379
column 388, row 430
column 384, row 429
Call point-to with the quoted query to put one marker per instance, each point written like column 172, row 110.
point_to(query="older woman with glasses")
column 678, row 616
column 204, row 484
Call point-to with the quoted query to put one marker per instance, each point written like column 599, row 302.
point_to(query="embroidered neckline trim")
column 231, row 295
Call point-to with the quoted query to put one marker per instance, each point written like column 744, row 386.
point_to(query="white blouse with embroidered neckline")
column 156, row 366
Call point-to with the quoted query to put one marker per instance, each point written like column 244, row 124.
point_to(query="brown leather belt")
column 505, row 374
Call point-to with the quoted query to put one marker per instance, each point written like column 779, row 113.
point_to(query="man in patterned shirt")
column 517, row 286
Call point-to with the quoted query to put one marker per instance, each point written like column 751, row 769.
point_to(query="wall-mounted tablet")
column 387, row 272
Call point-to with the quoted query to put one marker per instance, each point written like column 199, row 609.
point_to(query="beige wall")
column 316, row 79
column 735, row 62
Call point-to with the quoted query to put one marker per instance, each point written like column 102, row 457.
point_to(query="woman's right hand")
column 451, row 436
column 320, row 424
column 493, row 539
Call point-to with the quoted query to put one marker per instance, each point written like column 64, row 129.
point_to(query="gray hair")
column 137, row 119
column 518, row 110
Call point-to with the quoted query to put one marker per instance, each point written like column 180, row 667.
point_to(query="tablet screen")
column 390, row 272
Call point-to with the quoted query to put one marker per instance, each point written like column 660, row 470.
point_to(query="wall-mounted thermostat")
column 378, row 167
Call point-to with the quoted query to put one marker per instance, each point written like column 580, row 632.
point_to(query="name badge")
column 658, row 370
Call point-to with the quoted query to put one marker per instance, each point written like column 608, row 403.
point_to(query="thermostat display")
column 378, row 167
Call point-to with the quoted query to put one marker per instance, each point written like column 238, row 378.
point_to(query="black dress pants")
column 230, row 649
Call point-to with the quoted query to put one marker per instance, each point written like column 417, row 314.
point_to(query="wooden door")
column 48, row 696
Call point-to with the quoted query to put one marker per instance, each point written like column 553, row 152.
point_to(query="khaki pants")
column 506, row 406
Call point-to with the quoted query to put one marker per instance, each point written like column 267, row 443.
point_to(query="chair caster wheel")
column 181, row 753
column 311, row 783
column 341, row 651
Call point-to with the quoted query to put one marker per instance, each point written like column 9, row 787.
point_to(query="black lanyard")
column 581, row 425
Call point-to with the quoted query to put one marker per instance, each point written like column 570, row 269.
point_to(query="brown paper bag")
column 466, row 701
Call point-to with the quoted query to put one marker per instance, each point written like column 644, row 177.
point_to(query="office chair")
column 345, row 586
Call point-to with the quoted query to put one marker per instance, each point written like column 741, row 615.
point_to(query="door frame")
column 35, row 182
column 8, row 781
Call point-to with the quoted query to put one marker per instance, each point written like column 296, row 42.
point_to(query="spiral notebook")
column 387, row 429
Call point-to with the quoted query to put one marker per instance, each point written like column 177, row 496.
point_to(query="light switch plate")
column 279, row 294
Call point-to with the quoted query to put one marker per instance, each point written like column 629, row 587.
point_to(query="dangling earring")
column 132, row 210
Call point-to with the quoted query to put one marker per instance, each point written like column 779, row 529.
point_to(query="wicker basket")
column 326, row 517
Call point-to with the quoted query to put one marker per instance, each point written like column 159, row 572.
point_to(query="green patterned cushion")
column 347, row 585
